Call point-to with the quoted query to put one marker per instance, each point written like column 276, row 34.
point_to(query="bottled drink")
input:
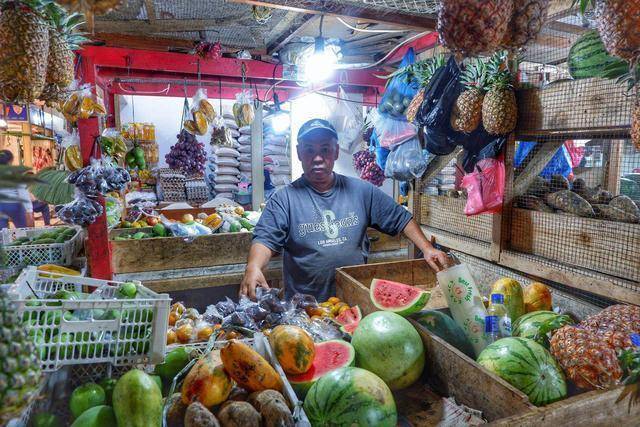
column 497, row 324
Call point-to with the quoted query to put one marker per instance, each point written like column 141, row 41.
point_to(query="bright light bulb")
column 321, row 64
column 3, row 124
column 280, row 122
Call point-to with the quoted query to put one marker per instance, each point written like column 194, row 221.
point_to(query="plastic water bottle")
column 497, row 324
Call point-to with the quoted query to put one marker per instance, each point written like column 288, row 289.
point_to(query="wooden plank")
column 533, row 164
column 502, row 220
column 574, row 108
column 447, row 214
column 603, row 246
column 205, row 282
column 130, row 256
column 141, row 42
column 462, row 244
column 614, row 166
column 290, row 33
column 610, row 288
column 454, row 374
column 336, row 8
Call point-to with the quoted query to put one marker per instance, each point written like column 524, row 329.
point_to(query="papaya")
column 293, row 347
column 248, row 368
column 206, row 383
column 98, row 416
column 513, row 296
column 137, row 400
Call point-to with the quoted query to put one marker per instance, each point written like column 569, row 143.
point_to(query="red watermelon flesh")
column 349, row 319
column 397, row 297
column 330, row 355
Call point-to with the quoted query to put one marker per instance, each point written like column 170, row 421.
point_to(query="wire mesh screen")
column 411, row 6
column 577, row 203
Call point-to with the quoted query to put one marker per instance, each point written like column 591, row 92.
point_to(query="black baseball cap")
column 315, row 126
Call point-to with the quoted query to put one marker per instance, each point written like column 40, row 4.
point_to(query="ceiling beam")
column 135, row 26
column 151, row 10
column 335, row 8
column 290, row 33
column 141, row 42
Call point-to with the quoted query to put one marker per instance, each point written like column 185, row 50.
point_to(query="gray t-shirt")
column 320, row 232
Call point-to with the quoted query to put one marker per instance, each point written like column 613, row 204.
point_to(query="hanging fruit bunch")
column 63, row 41
column 206, row 50
column 202, row 112
column 135, row 158
column 243, row 109
column 423, row 71
column 526, row 22
column 24, row 37
column 473, row 27
column 467, row 110
column 187, row 155
column 90, row 8
column 499, row 107
column 364, row 162
column 81, row 105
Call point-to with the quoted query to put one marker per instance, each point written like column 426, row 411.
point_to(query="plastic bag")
column 391, row 131
column 347, row 119
column 243, row 108
column 401, row 89
column 185, row 230
column 560, row 164
column 220, row 134
column 406, row 161
column 99, row 178
column 479, row 145
column 81, row 103
column 485, row 187
column 113, row 207
column 113, row 144
column 82, row 211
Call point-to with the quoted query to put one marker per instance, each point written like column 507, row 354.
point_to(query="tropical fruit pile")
column 55, row 235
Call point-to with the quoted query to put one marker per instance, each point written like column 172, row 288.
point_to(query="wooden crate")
column 153, row 254
column 447, row 214
column 604, row 246
column 451, row 373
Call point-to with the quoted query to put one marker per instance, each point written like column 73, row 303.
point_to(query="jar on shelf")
column 151, row 152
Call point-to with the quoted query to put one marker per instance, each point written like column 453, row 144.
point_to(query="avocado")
column 60, row 239
column 44, row 241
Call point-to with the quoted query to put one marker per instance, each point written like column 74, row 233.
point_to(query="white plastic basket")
column 96, row 327
column 50, row 253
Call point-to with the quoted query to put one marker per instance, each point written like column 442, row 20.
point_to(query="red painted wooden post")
column 97, row 244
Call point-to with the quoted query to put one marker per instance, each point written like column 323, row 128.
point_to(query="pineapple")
column 63, row 40
column 632, row 79
column 526, row 22
column 24, row 37
column 619, row 318
column 423, row 71
column 635, row 125
column 499, row 108
column 467, row 111
column 473, row 27
column 19, row 365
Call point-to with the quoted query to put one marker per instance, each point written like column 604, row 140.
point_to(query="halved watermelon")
column 397, row 297
column 349, row 320
column 330, row 355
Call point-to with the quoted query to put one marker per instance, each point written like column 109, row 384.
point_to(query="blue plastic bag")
column 560, row 163
column 401, row 89
column 381, row 152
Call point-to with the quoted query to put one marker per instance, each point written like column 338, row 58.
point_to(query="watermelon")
column 397, row 297
column 589, row 58
column 528, row 366
column 350, row 397
column 330, row 355
column 390, row 347
column 527, row 325
column 446, row 328
column 349, row 320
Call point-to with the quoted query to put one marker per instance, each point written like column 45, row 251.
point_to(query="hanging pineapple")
column 499, row 108
column 618, row 22
column 473, row 27
column 632, row 80
column 467, row 111
column 24, row 50
column 423, row 72
column 526, row 22
column 63, row 40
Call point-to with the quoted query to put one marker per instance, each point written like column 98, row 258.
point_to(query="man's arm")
column 259, row 257
column 436, row 259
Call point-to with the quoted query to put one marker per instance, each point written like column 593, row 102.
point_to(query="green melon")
column 390, row 347
column 446, row 328
column 527, row 325
column 350, row 397
column 589, row 58
column 527, row 366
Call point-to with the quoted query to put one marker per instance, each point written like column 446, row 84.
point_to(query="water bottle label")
column 635, row 339
column 505, row 326
column 491, row 324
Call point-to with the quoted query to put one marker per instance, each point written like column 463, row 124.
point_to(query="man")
column 320, row 222
column 17, row 206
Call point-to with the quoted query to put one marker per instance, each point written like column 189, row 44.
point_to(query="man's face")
column 318, row 153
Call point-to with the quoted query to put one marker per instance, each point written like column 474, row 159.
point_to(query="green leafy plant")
column 630, row 363
column 550, row 325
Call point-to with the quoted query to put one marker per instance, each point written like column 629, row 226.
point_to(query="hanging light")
column 321, row 64
column 280, row 120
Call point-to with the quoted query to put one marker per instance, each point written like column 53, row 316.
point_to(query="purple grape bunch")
column 364, row 162
column 187, row 155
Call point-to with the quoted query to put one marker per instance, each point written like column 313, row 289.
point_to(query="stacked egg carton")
column 277, row 158
column 223, row 169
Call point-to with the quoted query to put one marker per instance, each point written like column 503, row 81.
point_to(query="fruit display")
column 135, row 158
column 82, row 211
column 589, row 58
column 248, row 368
column 20, row 367
column 350, row 396
column 137, row 400
column 473, row 27
column 395, row 103
column 466, row 114
column 446, row 328
column 81, row 105
column 390, row 347
column 499, row 108
column 54, row 235
column 527, row 19
column 528, row 366
column 348, row 318
column 513, row 296
column 328, row 356
column 112, row 144
column 397, row 297
column 187, row 155
column 202, row 112
column 24, row 35
column 158, row 230
column 537, row 297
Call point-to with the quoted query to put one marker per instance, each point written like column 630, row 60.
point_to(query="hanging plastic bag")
column 560, row 164
column 82, row 211
column 72, row 156
column 200, row 103
column 99, row 178
column 485, row 187
column 81, row 103
column 481, row 145
column 113, row 144
column 390, row 131
column 243, row 108
column 406, row 161
column 347, row 119
column 113, row 207
column 401, row 89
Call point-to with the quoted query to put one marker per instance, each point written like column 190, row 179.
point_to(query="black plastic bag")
column 481, row 145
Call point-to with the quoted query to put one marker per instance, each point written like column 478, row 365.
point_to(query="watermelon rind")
column 302, row 383
column 527, row 325
column 351, row 397
column 588, row 58
column 445, row 327
column 347, row 326
column 527, row 366
column 411, row 306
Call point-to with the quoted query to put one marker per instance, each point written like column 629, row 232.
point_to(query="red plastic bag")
column 485, row 187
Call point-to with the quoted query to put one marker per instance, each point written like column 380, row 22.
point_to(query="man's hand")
column 253, row 278
column 436, row 259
